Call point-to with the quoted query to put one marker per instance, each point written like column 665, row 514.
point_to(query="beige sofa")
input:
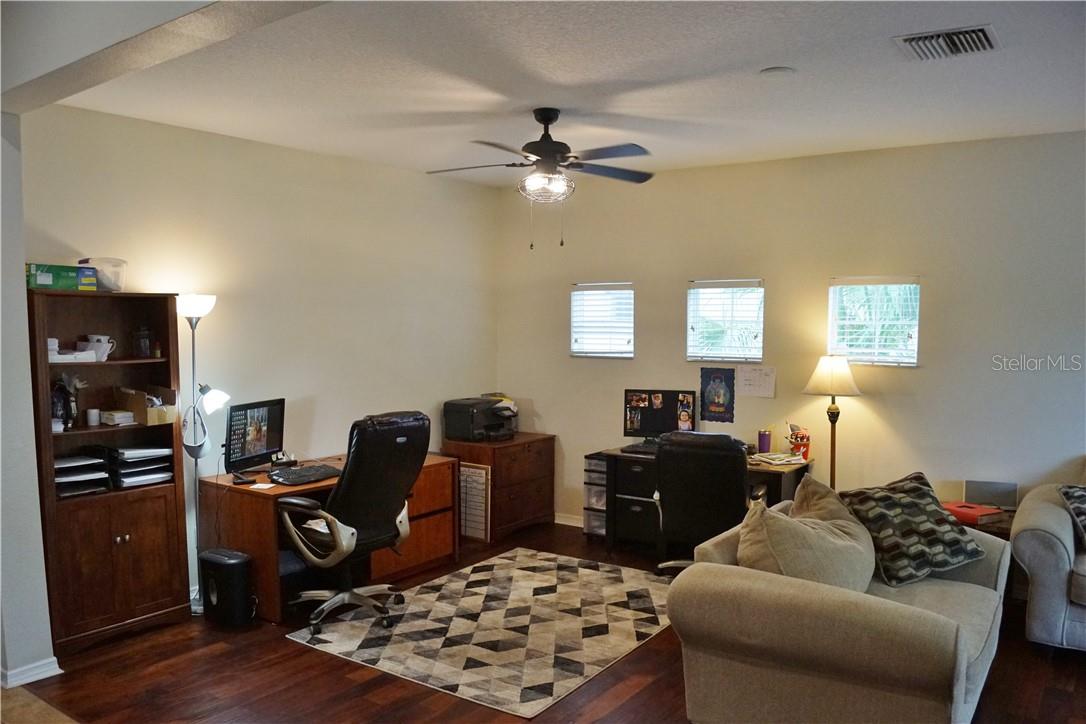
column 760, row 647
column 1043, row 538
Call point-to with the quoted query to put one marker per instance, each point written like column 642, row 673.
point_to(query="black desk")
column 631, row 480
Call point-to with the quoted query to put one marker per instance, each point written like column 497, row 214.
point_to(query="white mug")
column 94, row 417
column 103, row 339
column 101, row 350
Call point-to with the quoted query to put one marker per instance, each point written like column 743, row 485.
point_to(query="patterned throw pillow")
column 913, row 534
column 1074, row 497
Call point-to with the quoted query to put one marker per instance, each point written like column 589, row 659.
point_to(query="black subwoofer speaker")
column 225, row 580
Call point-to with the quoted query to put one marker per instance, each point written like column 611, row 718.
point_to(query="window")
column 875, row 319
column 725, row 320
column 601, row 320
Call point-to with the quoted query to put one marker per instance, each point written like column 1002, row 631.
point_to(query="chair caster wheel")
column 314, row 629
column 398, row 599
column 386, row 622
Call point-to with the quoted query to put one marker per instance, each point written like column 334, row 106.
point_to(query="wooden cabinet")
column 521, row 478
column 117, row 559
column 114, row 560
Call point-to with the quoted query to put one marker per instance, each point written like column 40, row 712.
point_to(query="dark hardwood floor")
column 195, row 672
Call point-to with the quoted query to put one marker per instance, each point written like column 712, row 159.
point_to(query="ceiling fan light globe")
column 546, row 188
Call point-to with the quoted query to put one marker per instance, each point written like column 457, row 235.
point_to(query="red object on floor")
column 971, row 513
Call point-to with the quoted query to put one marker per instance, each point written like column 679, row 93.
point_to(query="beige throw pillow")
column 819, row 540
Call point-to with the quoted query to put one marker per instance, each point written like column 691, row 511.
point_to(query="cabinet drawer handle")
column 127, row 537
column 117, row 540
column 636, row 469
column 635, row 508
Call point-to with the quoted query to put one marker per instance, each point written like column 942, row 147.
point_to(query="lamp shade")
column 213, row 400
column 832, row 376
column 195, row 305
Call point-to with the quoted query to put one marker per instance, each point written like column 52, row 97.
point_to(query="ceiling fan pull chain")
column 562, row 225
column 531, row 225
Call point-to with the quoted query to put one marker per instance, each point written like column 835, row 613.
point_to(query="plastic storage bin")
column 595, row 523
column 597, row 464
column 595, row 496
column 591, row 478
column 111, row 272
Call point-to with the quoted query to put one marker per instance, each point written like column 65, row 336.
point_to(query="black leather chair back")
column 702, row 481
column 385, row 454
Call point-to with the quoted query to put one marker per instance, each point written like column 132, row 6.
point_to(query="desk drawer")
column 431, row 538
column 635, row 477
column 636, row 519
column 432, row 491
column 518, row 464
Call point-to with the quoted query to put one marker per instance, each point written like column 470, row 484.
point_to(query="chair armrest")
column 343, row 536
column 304, row 504
column 724, row 548
column 1043, row 524
column 990, row 571
column 791, row 623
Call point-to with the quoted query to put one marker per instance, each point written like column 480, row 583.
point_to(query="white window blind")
column 601, row 320
column 725, row 320
column 875, row 319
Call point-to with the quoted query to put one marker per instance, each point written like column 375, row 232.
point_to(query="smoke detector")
column 940, row 44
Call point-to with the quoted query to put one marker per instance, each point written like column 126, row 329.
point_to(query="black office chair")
column 366, row 510
column 701, row 489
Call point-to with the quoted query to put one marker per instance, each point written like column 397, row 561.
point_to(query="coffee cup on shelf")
column 94, row 417
column 102, row 350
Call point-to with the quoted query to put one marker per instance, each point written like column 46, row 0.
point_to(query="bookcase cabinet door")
column 87, row 592
column 147, row 566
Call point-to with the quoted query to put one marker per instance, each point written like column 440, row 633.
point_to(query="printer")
column 480, row 419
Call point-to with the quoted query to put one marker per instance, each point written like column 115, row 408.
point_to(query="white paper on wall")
column 755, row 381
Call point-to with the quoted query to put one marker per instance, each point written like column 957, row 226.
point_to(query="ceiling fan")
column 548, row 183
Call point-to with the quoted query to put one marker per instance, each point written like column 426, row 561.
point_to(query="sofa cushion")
column 1074, row 497
column 1078, row 578
column 818, row 541
column 913, row 534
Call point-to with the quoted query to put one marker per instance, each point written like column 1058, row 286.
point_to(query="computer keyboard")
column 303, row 475
column 641, row 448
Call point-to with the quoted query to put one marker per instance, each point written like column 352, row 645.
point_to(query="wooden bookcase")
column 116, row 560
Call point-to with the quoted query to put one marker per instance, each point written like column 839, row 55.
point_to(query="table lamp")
column 832, row 377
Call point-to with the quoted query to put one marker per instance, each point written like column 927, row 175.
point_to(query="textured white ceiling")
column 411, row 84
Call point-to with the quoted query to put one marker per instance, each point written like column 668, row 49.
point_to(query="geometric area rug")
column 516, row 632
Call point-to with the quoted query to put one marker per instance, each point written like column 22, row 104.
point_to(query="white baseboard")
column 31, row 672
column 576, row 521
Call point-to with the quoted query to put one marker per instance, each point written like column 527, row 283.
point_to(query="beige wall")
column 995, row 230
column 345, row 287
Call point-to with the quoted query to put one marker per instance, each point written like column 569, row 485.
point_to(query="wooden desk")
column 241, row 518
column 631, row 481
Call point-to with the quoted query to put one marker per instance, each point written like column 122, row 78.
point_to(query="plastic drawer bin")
column 595, row 496
column 595, row 523
column 591, row 478
column 598, row 464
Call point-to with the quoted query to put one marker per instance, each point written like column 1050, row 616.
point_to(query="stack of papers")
column 118, row 417
column 135, row 466
column 778, row 458
column 80, row 475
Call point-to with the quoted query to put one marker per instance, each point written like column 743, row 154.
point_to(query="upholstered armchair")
column 1043, row 539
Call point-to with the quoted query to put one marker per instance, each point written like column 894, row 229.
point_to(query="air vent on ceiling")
column 948, row 43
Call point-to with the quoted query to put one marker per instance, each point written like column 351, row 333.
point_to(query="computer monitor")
column 650, row 413
column 254, row 435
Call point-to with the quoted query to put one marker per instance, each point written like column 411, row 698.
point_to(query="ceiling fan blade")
column 620, row 151
column 485, row 165
column 510, row 149
column 620, row 174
